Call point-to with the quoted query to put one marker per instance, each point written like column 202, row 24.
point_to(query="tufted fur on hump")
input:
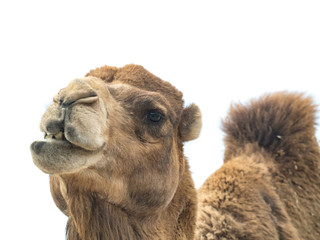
column 281, row 123
column 269, row 185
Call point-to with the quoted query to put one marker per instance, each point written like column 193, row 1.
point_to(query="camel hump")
column 281, row 123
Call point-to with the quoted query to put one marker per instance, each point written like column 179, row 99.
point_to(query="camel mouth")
column 57, row 154
column 55, row 140
column 58, row 140
column 71, row 138
column 59, row 136
column 51, row 155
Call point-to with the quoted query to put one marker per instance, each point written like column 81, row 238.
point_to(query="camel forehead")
column 152, row 88
column 151, row 85
column 139, row 77
column 137, row 97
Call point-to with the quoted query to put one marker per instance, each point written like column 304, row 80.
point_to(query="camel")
column 113, row 147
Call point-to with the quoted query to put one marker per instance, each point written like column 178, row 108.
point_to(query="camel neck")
column 91, row 217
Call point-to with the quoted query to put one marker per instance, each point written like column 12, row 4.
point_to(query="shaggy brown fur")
column 269, row 185
column 114, row 150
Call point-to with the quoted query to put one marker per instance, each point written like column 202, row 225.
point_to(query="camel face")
column 88, row 119
column 121, row 138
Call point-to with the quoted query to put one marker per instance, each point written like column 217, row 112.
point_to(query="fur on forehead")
column 139, row 77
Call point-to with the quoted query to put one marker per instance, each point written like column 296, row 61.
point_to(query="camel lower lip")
column 57, row 156
column 47, row 155
column 38, row 146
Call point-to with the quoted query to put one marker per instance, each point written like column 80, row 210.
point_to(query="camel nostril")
column 66, row 104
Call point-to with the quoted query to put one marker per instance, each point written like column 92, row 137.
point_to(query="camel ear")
column 191, row 123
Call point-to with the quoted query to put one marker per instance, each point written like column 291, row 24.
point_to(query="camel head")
column 118, row 132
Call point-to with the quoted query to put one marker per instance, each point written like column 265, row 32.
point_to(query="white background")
column 215, row 52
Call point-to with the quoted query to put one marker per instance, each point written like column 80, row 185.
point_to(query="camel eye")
column 154, row 116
